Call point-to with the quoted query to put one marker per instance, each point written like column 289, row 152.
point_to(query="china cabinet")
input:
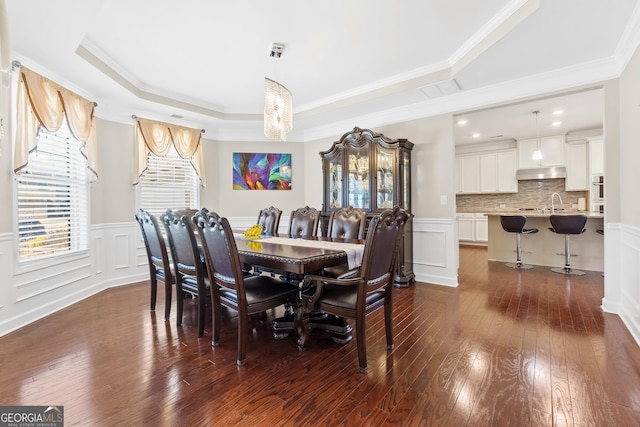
column 371, row 172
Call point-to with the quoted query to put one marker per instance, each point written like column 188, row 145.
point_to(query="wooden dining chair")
column 356, row 297
column 245, row 295
column 157, row 257
column 304, row 222
column 347, row 223
column 190, row 271
column 269, row 219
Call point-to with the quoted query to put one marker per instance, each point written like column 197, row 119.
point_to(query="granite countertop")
column 543, row 214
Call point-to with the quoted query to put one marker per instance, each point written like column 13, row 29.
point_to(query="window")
column 168, row 183
column 52, row 195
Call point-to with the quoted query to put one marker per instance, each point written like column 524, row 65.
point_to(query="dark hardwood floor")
column 529, row 348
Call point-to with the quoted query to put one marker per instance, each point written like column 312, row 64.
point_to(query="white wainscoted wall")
column 622, row 275
column 435, row 251
column 117, row 257
column 435, row 247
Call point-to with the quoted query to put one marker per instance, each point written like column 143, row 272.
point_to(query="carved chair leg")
column 201, row 315
column 167, row 304
column 388, row 326
column 180, row 304
column 154, row 292
column 362, row 346
column 243, row 325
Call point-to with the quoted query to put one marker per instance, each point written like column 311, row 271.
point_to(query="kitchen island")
column 546, row 248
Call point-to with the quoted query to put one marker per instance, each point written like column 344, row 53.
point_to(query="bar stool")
column 515, row 224
column 567, row 225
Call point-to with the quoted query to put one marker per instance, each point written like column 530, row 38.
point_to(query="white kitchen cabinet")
column 596, row 156
column 473, row 228
column 507, row 165
column 577, row 166
column 466, row 227
column 498, row 172
column 493, row 172
column 481, row 228
column 468, row 173
column 488, row 173
column 552, row 148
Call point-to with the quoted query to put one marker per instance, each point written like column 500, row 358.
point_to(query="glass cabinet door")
column 358, row 176
column 384, row 178
column 405, row 164
column 335, row 183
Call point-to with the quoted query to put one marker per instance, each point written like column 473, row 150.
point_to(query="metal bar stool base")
column 519, row 266
column 571, row 271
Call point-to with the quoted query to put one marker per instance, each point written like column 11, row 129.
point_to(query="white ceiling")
column 347, row 63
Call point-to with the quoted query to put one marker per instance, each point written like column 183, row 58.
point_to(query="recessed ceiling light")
column 558, row 123
column 476, row 135
column 558, row 112
column 462, row 122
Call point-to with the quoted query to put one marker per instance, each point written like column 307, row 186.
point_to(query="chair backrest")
column 304, row 222
column 347, row 223
column 568, row 224
column 183, row 243
column 220, row 252
column 380, row 249
column 513, row 223
column 154, row 242
column 269, row 219
column 186, row 211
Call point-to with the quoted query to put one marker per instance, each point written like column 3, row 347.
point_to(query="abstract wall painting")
column 262, row 171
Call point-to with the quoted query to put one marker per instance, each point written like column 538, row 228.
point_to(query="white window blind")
column 52, row 195
column 168, row 183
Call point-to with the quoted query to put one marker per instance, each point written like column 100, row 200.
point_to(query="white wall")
column 622, row 216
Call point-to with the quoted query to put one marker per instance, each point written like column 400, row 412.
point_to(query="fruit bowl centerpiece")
column 254, row 232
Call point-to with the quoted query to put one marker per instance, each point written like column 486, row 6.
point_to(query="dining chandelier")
column 278, row 105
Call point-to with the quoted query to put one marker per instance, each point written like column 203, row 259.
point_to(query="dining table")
column 293, row 257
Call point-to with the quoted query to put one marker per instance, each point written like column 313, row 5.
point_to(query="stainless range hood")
column 541, row 173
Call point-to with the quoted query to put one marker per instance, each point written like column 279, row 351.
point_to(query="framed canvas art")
column 261, row 171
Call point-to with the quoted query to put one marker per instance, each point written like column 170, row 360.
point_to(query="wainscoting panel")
column 622, row 275
column 30, row 292
column 434, row 251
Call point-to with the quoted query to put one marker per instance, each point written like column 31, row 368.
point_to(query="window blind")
column 169, row 182
column 52, row 197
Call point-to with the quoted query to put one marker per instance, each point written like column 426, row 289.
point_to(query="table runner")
column 354, row 251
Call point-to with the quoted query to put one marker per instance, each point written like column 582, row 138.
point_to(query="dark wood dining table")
column 292, row 260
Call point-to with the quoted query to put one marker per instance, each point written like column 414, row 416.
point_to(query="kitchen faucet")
column 553, row 208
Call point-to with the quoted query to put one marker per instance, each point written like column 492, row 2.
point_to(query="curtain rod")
column 16, row 65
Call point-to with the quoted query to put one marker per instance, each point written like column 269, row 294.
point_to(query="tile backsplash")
column 531, row 194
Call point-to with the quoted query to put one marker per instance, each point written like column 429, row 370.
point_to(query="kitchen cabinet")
column 473, row 228
column 552, row 148
column 577, row 164
column 466, row 227
column 468, row 173
column 596, row 156
column 481, row 223
column 371, row 172
column 493, row 172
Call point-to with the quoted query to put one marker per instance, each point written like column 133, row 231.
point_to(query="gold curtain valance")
column 42, row 102
column 157, row 138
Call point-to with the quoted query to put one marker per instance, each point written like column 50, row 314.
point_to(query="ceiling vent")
column 442, row 88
